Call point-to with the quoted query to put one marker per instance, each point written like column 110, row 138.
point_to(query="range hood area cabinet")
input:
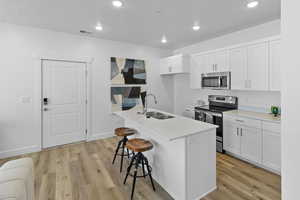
column 207, row 63
column 254, row 66
column 177, row 64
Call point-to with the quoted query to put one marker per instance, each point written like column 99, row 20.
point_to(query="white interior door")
column 63, row 102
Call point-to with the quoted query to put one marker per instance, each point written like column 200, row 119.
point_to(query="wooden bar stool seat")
column 123, row 132
column 139, row 145
column 139, row 160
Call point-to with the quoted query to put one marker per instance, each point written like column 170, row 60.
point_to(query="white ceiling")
column 141, row 21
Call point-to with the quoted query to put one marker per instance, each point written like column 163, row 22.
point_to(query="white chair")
column 17, row 180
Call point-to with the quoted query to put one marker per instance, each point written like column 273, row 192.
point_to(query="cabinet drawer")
column 273, row 127
column 244, row 121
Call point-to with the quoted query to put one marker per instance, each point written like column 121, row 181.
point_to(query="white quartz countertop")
column 171, row 129
column 254, row 115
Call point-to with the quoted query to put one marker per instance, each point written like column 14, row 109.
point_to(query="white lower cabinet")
column 271, row 147
column 232, row 140
column 251, row 143
column 253, row 140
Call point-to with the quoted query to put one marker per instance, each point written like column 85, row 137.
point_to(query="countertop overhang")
column 171, row 129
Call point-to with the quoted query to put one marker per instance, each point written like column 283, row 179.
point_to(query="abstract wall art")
column 125, row 98
column 126, row 71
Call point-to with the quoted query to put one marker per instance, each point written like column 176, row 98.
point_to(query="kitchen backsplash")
column 250, row 100
column 260, row 101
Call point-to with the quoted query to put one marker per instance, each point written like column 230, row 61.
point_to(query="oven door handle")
column 213, row 114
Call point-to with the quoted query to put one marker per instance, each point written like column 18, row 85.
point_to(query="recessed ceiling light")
column 99, row 27
column 117, row 3
column 252, row 4
column 196, row 27
column 164, row 40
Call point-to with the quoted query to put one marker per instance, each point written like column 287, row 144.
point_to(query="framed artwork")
column 126, row 71
column 126, row 98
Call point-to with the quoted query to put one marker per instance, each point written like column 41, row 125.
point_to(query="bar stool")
column 138, row 146
column 123, row 132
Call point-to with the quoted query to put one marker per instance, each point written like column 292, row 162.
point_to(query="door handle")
column 45, row 109
column 45, row 101
column 241, row 132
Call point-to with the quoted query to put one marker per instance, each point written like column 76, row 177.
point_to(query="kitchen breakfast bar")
column 184, row 155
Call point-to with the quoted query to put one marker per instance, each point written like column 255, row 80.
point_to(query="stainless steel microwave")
column 216, row 81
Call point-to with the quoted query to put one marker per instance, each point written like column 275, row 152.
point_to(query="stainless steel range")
column 213, row 113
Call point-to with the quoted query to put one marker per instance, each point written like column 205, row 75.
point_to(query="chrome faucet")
column 146, row 102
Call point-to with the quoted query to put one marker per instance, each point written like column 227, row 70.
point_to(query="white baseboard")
column 99, row 136
column 254, row 163
column 206, row 193
column 19, row 151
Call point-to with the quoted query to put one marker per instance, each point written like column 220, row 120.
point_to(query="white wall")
column 259, row 101
column 19, row 77
column 290, row 99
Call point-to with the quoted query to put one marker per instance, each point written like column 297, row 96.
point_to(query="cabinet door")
column 271, row 153
column 176, row 63
column 208, row 65
column 238, row 67
column 197, row 68
column 231, row 137
column 221, row 61
column 275, row 83
column 257, row 68
column 251, row 143
column 165, row 66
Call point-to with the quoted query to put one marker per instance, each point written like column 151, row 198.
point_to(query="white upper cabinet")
column 258, row 67
column 253, row 66
column 275, row 83
column 216, row 62
column 238, row 67
column 221, row 61
column 198, row 64
column 175, row 65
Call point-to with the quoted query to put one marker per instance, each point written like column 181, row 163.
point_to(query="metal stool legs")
column 121, row 145
column 137, row 160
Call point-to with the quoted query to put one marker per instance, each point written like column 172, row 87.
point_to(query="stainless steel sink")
column 158, row 115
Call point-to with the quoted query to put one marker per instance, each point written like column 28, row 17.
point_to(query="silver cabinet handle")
column 45, row 109
column 241, row 132
column 237, row 131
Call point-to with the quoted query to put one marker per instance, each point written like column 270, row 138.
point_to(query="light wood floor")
column 84, row 172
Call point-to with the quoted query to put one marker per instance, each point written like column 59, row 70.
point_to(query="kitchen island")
column 184, row 154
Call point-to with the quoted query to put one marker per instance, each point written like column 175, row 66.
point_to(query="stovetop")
column 213, row 108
